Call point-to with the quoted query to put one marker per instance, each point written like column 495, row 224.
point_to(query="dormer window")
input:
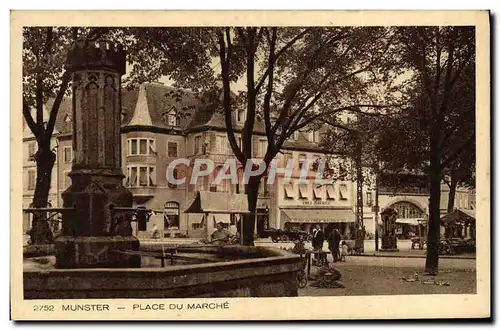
column 67, row 119
column 170, row 118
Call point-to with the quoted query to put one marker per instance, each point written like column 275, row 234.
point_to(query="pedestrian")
column 220, row 235
column 156, row 232
column 318, row 240
column 344, row 252
column 333, row 244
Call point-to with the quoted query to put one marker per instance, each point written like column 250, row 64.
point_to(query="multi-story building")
column 161, row 124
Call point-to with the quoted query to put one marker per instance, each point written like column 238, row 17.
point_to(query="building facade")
column 161, row 124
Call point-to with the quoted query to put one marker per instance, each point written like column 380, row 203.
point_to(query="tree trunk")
column 432, row 259
column 252, row 191
column 451, row 194
column 40, row 230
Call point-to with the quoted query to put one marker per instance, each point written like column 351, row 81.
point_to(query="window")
column 213, row 188
column 303, row 191
column 286, row 158
column 141, row 176
column 31, row 151
column 330, row 192
column 288, row 191
column 141, row 147
column 221, row 144
column 302, row 160
column 197, row 144
column 171, row 215
column 133, row 147
column 407, row 210
column 369, row 200
column 296, row 135
column 240, row 115
column 172, row 149
column 343, row 192
column 315, row 136
column 262, row 148
column 68, row 154
column 31, row 179
column 172, row 118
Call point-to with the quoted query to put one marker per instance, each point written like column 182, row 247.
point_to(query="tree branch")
column 225, row 67
column 57, row 103
column 29, row 120
column 290, row 43
column 454, row 155
column 250, row 115
column 267, row 97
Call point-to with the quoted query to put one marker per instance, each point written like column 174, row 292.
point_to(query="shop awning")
column 411, row 221
column 216, row 202
column 459, row 215
column 318, row 215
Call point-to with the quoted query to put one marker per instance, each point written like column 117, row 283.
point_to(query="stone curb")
column 413, row 256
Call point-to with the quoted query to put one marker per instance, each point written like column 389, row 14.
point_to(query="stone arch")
column 407, row 209
column 398, row 199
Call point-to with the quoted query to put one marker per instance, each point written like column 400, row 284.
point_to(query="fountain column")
column 92, row 235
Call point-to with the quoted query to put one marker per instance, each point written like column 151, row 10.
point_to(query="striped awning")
column 216, row 202
column 318, row 215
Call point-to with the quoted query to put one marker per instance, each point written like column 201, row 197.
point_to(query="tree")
column 44, row 78
column 440, row 56
column 293, row 76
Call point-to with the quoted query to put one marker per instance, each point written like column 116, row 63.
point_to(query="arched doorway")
column 410, row 219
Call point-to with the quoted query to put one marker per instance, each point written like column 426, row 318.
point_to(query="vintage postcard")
column 250, row 165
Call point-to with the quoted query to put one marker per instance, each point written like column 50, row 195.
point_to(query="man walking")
column 317, row 241
column 333, row 244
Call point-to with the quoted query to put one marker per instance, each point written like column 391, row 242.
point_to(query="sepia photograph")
column 250, row 160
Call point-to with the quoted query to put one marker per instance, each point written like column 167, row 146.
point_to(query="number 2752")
column 43, row 308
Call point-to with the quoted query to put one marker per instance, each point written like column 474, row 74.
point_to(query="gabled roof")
column 148, row 105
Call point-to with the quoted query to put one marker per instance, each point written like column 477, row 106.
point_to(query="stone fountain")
column 97, row 256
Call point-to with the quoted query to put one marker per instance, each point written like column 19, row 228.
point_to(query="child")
column 344, row 251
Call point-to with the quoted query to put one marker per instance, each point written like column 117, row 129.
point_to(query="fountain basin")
column 237, row 272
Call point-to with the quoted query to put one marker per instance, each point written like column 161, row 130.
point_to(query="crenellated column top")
column 96, row 55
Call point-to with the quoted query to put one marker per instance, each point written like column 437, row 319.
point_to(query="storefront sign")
column 317, row 202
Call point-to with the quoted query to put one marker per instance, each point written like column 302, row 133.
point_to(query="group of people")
column 336, row 245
